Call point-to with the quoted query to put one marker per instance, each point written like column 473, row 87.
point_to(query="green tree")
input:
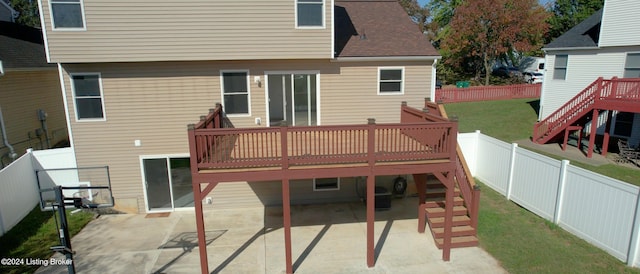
column 418, row 14
column 484, row 30
column 28, row 12
column 441, row 13
column 568, row 13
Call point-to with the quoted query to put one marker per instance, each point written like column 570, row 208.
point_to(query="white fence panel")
column 493, row 163
column 18, row 192
column 535, row 182
column 599, row 209
column 468, row 143
column 53, row 160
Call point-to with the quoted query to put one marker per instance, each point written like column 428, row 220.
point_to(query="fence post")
column 562, row 178
column 512, row 164
column 635, row 238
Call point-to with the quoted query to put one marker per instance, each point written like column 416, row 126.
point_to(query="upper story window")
column 88, row 96
column 632, row 66
column 235, row 92
column 67, row 14
column 560, row 67
column 309, row 13
column 390, row 80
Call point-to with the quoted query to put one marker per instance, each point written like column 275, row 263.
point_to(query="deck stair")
column 614, row 94
column 463, row 234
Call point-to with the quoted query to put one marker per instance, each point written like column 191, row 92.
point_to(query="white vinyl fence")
column 19, row 185
column 601, row 210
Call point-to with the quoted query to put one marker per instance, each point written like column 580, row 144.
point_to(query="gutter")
column 574, row 48
column 386, row 58
column 12, row 152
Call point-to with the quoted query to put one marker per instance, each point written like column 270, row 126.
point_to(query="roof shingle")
column 583, row 35
column 21, row 47
column 377, row 28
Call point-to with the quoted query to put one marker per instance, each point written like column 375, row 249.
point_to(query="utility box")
column 382, row 199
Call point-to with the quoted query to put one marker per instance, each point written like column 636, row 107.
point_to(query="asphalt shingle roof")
column 21, row 47
column 583, row 35
column 377, row 28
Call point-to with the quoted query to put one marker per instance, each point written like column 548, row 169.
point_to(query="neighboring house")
column 607, row 45
column 29, row 88
column 134, row 77
column 7, row 13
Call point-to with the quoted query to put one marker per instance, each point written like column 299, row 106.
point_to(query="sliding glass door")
column 292, row 99
column 167, row 183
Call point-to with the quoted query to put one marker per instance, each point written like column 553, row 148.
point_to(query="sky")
column 543, row 2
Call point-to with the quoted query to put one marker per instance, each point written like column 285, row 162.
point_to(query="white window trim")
column 324, row 9
column 84, row 21
column 566, row 68
column 222, row 72
column 73, row 93
column 326, row 189
column 401, row 82
column 626, row 57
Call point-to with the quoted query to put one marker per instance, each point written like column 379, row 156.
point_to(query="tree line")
column 471, row 35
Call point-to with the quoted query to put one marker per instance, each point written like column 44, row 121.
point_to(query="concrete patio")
column 327, row 238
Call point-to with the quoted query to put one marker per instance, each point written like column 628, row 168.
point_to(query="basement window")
column 326, row 184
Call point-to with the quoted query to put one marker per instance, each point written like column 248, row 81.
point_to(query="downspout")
column 12, row 152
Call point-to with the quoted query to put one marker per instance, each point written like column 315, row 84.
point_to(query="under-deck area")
column 421, row 143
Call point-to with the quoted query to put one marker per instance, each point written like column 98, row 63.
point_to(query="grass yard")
column 512, row 120
column 526, row 243
column 34, row 235
column 507, row 120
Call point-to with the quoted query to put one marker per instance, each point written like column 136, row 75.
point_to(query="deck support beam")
column 607, row 129
column 202, row 241
column 286, row 212
column 592, row 135
column 371, row 185
column 421, row 187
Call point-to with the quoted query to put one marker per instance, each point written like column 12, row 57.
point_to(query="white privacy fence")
column 19, row 184
column 601, row 210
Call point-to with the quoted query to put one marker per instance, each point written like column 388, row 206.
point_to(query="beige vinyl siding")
column 167, row 30
column 153, row 102
column 22, row 93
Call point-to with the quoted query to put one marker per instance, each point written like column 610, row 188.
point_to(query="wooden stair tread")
column 462, row 241
column 436, row 210
column 457, row 221
column 464, row 228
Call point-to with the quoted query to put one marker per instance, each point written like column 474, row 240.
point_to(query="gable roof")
column 377, row 28
column 21, row 47
column 12, row 13
column 583, row 35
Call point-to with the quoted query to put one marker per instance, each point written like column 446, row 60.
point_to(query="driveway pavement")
column 328, row 238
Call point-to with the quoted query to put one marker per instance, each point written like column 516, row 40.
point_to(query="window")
column 326, row 184
column 87, row 93
column 632, row 66
column 560, row 67
column 67, row 14
column 235, row 90
column 310, row 13
column 390, row 80
column 624, row 123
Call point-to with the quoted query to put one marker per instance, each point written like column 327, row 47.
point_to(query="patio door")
column 292, row 99
column 167, row 183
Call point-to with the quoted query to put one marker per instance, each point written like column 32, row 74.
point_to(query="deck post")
column 605, row 140
column 592, row 135
column 202, row 241
column 421, row 187
column 286, row 212
column 371, row 185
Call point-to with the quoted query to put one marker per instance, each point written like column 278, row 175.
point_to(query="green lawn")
column 526, row 243
column 34, row 235
column 508, row 120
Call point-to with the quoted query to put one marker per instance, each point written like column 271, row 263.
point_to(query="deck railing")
column 468, row 189
column 574, row 109
column 222, row 148
column 487, row 93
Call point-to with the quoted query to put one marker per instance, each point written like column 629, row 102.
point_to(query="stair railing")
column 568, row 113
